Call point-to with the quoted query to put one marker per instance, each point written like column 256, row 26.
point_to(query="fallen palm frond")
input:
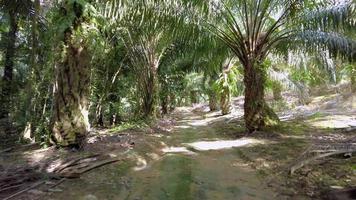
column 16, row 182
column 316, row 152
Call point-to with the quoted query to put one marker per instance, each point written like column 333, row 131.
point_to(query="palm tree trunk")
column 164, row 98
column 70, row 122
column 194, row 97
column 164, row 104
column 225, row 101
column 99, row 117
column 213, row 102
column 7, row 83
column 172, row 102
column 353, row 79
column 151, row 94
column 257, row 113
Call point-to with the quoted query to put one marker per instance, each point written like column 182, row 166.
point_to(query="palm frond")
column 337, row 44
column 339, row 16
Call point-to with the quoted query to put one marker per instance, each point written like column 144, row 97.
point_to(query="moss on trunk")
column 257, row 113
column 194, row 99
column 164, row 104
column 353, row 80
column 213, row 101
column 225, row 101
column 70, row 122
column 150, row 98
column 99, row 116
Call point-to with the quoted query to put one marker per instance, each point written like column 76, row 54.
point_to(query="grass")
column 289, row 128
column 128, row 126
column 279, row 105
column 316, row 116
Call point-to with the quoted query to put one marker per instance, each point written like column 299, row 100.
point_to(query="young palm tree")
column 215, row 54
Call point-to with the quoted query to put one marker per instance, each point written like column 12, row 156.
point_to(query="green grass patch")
column 176, row 178
column 353, row 167
column 279, row 105
column 316, row 115
column 289, row 128
column 141, row 124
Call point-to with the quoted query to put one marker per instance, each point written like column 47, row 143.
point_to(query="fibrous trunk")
column 7, row 83
column 165, row 104
column 172, row 102
column 151, row 93
column 70, row 122
column 213, row 101
column 353, row 80
column 225, row 101
column 99, row 117
column 257, row 113
column 194, row 97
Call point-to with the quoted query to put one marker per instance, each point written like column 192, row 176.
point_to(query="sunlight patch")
column 39, row 155
column 141, row 164
column 224, row 144
column 202, row 122
column 336, row 121
column 182, row 127
column 177, row 150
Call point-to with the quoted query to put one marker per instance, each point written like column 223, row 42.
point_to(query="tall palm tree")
column 149, row 30
column 250, row 31
column 254, row 28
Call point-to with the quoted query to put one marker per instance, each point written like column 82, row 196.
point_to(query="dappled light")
column 177, row 99
column 224, row 144
column 141, row 164
column 334, row 121
column 202, row 122
column 37, row 156
column 182, row 126
column 183, row 150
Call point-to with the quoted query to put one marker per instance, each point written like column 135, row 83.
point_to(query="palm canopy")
column 331, row 26
column 252, row 28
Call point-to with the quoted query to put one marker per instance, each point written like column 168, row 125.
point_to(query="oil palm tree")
column 253, row 29
column 149, row 29
column 70, row 123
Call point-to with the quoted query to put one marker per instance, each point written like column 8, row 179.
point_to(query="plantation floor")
column 195, row 154
column 176, row 171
